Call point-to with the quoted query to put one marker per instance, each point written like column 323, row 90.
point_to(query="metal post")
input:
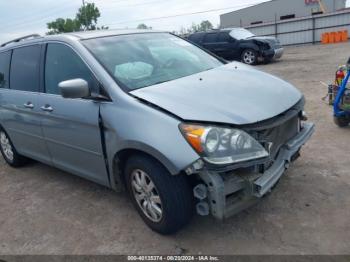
column 313, row 30
column 276, row 29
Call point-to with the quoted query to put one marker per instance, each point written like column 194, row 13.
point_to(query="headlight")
column 264, row 46
column 222, row 145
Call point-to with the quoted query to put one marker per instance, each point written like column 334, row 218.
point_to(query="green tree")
column 61, row 25
column 88, row 16
column 86, row 19
column 143, row 26
column 194, row 28
column 205, row 26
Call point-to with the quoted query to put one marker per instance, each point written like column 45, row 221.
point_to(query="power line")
column 114, row 2
column 183, row 14
column 52, row 10
column 139, row 4
column 38, row 19
column 66, row 8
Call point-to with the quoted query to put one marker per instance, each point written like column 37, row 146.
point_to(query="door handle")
column 46, row 108
column 29, row 105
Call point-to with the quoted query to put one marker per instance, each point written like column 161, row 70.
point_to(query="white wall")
column 266, row 12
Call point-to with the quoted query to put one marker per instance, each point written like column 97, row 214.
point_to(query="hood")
column 234, row 94
column 273, row 41
column 266, row 38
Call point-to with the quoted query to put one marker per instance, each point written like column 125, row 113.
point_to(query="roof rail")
column 20, row 39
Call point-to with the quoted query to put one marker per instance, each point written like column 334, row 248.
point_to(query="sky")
column 22, row 17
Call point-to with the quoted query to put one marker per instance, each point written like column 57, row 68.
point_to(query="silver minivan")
column 177, row 127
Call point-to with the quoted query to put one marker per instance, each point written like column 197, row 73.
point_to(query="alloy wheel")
column 6, row 146
column 146, row 195
column 249, row 57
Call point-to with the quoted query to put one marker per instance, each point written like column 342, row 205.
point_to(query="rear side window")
column 5, row 58
column 25, row 66
column 63, row 64
column 210, row 38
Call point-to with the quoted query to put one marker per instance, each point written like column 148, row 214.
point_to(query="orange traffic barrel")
column 337, row 37
column 331, row 38
column 325, row 38
column 344, row 36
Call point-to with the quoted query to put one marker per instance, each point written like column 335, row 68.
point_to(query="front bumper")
column 228, row 194
column 271, row 54
column 278, row 53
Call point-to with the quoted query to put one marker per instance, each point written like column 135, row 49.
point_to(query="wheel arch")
column 247, row 46
column 3, row 129
column 120, row 157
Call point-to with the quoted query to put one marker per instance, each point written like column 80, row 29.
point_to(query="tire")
column 342, row 121
column 249, row 57
column 267, row 61
column 9, row 152
column 172, row 195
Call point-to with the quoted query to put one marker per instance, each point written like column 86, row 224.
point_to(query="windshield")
column 241, row 33
column 141, row 60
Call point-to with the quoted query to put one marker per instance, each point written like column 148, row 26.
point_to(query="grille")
column 279, row 135
column 275, row 44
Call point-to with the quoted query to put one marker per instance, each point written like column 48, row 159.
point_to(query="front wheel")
column 163, row 201
column 249, row 57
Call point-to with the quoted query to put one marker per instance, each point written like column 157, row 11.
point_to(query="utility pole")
column 85, row 13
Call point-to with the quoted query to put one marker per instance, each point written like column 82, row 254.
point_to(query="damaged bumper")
column 278, row 53
column 229, row 193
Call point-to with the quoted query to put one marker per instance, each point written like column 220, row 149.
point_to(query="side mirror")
column 75, row 88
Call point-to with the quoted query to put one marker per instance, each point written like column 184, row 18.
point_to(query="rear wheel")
column 9, row 152
column 163, row 201
column 342, row 121
column 249, row 57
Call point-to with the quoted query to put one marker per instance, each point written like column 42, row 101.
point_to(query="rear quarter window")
column 5, row 59
column 25, row 66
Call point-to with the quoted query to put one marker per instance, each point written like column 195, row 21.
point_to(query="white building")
column 278, row 10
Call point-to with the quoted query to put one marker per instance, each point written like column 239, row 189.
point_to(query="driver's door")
column 71, row 126
column 227, row 47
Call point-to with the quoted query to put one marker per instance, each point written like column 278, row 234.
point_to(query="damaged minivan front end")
column 260, row 154
column 246, row 133
column 185, row 125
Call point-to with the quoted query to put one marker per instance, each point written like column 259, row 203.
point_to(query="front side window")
column 63, row 64
column 141, row 60
column 5, row 59
column 25, row 66
column 225, row 37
